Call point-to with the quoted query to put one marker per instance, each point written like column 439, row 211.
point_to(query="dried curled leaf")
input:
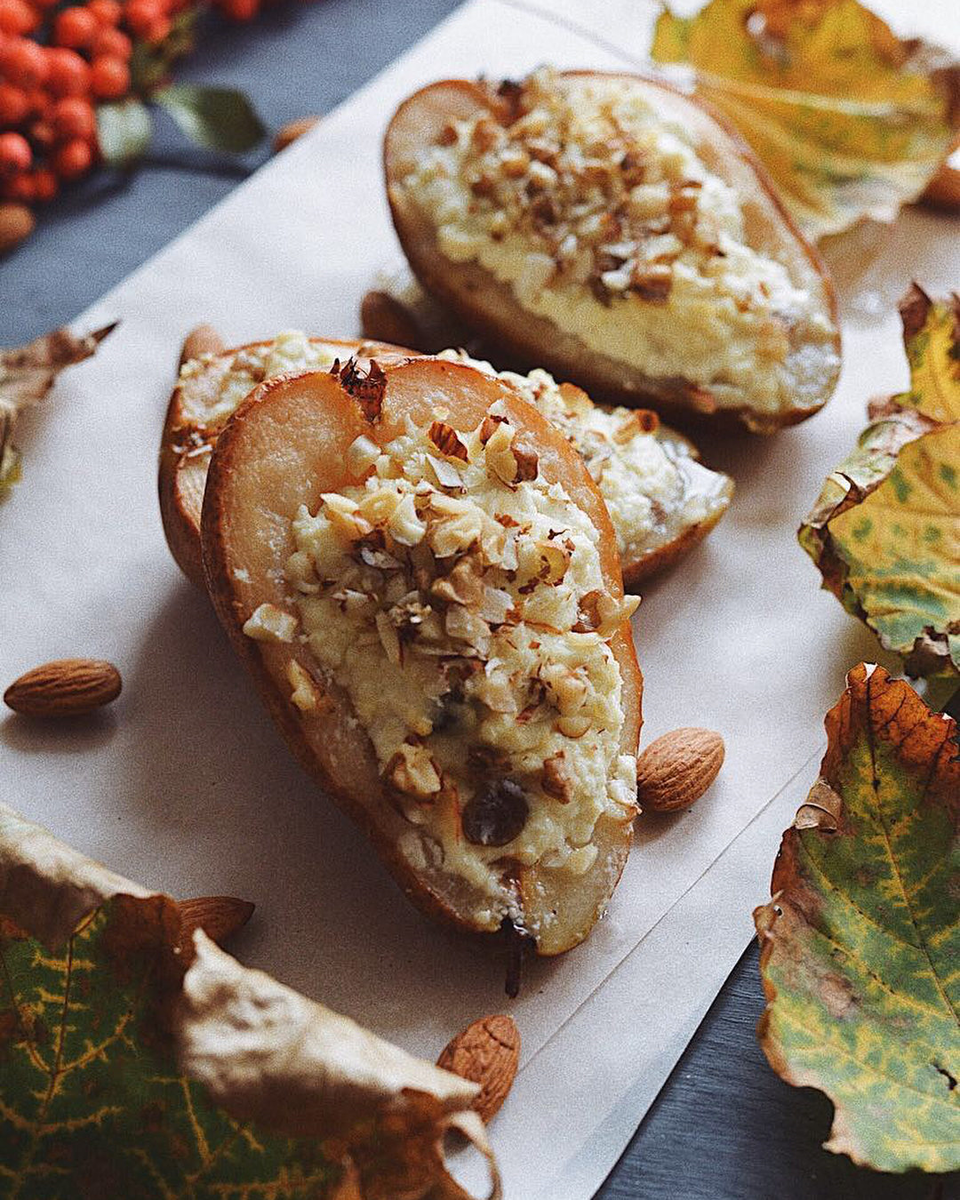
column 850, row 121
column 133, row 1068
column 860, row 944
column 885, row 529
column 27, row 373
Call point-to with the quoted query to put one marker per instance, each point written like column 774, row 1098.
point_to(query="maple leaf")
column 860, row 944
column 137, row 1062
column 27, row 373
column 849, row 120
column 885, row 529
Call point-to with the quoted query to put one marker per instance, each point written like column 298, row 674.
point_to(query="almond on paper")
column 675, row 770
column 486, row 1052
column 66, row 687
column 217, row 916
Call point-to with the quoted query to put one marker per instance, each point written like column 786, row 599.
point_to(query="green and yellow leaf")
column 849, row 120
column 137, row 1062
column 860, row 943
column 885, row 529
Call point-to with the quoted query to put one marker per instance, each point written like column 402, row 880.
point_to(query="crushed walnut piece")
column 365, row 386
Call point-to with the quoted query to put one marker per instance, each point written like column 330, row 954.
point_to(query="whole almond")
column 66, row 687
column 287, row 134
column 384, row 319
column 486, row 1052
column 217, row 916
column 203, row 339
column 16, row 223
column 676, row 769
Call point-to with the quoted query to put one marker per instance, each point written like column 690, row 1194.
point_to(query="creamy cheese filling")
column 289, row 352
column 650, row 480
column 600, row 215
column 458, row 599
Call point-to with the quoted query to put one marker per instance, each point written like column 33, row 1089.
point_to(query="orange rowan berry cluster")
column 56, row 64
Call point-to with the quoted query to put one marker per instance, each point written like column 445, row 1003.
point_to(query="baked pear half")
column 661, row 499
column 423, row 580
column 613, row 230
column 213, row 381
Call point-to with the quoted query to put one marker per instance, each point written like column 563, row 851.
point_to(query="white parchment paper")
column 185, row 786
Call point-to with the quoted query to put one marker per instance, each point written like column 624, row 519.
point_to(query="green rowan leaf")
column 860, row 943
column 215, row 118
column 123, row 131
column 137, row 1059
column 885, row 529
column 849, row 120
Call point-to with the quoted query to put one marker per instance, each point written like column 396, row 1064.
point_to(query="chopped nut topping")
column 268, row 623
column 414, row 599
column 553, row 777
column 366, row 387
column 447, row 440
column 413, row 772
column 306, row 695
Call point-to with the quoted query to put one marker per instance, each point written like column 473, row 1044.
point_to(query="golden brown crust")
column 245, row 545
column 524, row 339
column 188, row 438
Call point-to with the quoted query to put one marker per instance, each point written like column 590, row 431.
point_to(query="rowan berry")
column 107, row 12
column 109, row 78
column 72, row 159
column 69, row 73
column 16, row 16
column 15, row 153
column 73, row 117
column 140, row 15
column 40, row 102
column 158, row 30
column 75, row 27
column 23, row 63
column 19, row 187
column 113, row 43
column 240, row 10
column 41, row 134
column 14, row 105
column 45, row 185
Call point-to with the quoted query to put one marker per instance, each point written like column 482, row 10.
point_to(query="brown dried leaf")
column 227, row 1068
column 27, row 373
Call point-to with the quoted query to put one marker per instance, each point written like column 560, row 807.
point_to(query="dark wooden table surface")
column 724, row 1125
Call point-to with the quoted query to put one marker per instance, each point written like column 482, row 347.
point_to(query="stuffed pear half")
column 423, row 580
column 611, row 229
column 661, row 499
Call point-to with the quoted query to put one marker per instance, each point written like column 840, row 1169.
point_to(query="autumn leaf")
column 27, row 373
column 885, row 529
column 850, row 121
column 138, row 1063
column 860, row 943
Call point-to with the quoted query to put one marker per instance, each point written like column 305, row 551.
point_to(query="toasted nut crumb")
column 447, row 440
column 267, row 623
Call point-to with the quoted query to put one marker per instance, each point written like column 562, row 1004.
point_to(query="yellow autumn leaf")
column 885, row 529
column 850, row 121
